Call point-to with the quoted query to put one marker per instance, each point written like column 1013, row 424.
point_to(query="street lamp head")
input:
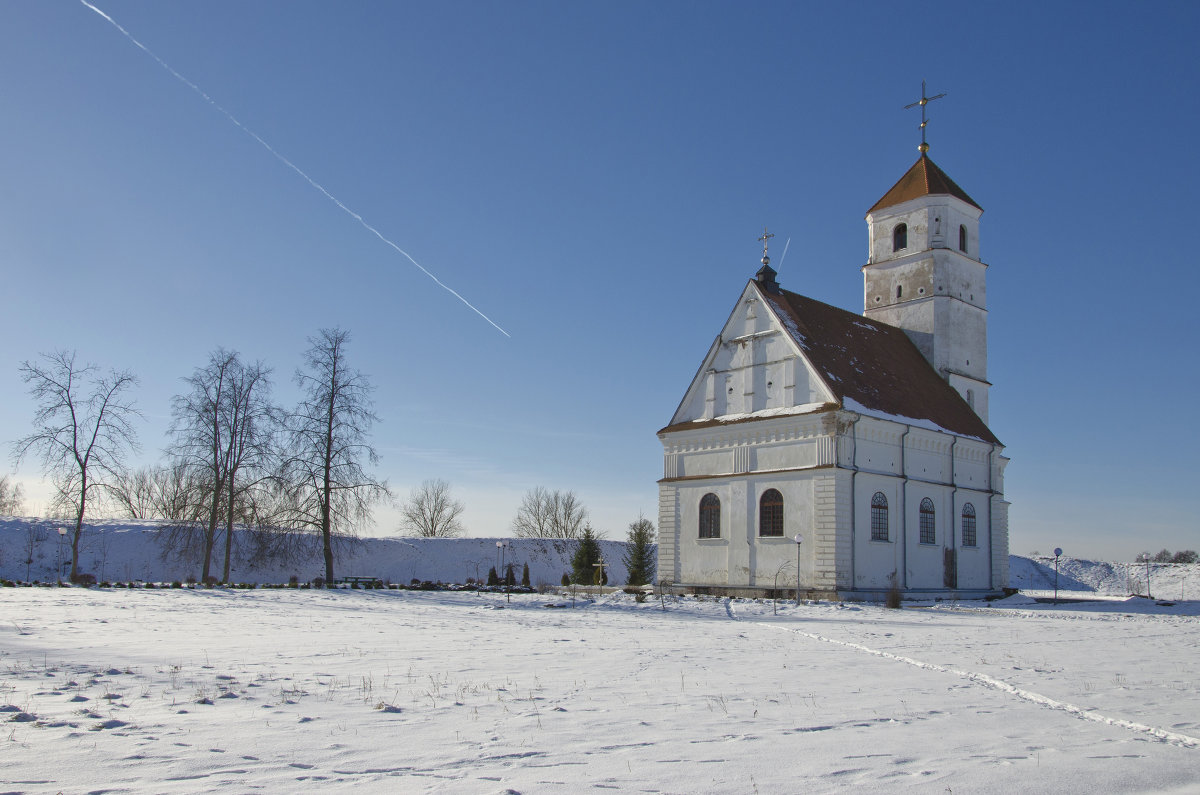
column 1057, row 551
column 62, row 531
column 499, row 544
column 799, row 538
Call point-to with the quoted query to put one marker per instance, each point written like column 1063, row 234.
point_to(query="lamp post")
column 62, row 536
column 798, row 539
column 1057, row 552
column 1146, row 558
column 500, row 545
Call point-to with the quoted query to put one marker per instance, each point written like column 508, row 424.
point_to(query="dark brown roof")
column 875, row 365
column 923, row 179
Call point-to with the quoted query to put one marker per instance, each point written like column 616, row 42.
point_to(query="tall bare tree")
column 549, row 514
column 328, row 445
column 222, row 431
column 251, row 424
column 201, row 439
column 12, row 497
column 83, row 429
column 430, row 512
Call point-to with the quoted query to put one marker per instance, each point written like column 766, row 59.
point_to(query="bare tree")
column 12, row 497
column 222, row 431
column 549, row 514
column 431, row 512
column 35, row 534
column 201, row 439
column 251, row 422
column 328, row 448
column 83, row 429
column 133, row 494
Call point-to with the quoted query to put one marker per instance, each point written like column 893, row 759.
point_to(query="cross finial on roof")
column 923, row 101
column 766, row 237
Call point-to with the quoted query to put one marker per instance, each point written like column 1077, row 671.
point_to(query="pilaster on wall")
column 832, row 531
column 668, row 533
column 999, row 543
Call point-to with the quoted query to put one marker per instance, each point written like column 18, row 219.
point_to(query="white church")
column 855, row 447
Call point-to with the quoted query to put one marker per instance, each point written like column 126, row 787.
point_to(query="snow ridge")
column 995, row 684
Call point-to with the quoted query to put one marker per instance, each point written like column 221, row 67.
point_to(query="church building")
column 855, row 447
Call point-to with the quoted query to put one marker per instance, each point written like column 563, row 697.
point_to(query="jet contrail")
column 290, row 164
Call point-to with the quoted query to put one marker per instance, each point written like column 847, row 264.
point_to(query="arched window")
column 879, row 517
column 770, row 513
column 710, row 516
column 928, row 535
column 968, row 526
column 962, row 238
column 900, row 237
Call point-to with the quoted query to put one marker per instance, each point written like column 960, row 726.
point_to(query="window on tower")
column 900, row 237
column 962, row 239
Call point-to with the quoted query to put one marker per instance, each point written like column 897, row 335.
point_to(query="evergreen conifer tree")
column 639, row 556
column 587, row 554
column 566, row 579
column 493, row 577
column 525, row 576
column 510, row 577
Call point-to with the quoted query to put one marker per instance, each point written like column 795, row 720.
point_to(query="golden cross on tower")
column 766, row 237
column 924, row 147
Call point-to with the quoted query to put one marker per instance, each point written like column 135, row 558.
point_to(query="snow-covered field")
column 401, row 691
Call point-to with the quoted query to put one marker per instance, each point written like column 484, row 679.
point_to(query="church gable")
column 754, row 368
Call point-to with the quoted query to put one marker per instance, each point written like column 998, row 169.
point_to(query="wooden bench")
column 368, row 582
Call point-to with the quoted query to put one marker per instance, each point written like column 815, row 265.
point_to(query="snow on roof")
column 875, row 366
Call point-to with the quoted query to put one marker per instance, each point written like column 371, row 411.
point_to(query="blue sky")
column 592, row 177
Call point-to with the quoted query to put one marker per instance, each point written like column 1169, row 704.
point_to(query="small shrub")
column 176, row 584
column 566, row 579
column 893, row 597
column 210, row 581
column 293, row 581
column 318, row 582
column 191, row 580
column 83, row 578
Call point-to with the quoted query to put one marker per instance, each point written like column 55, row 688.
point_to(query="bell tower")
column 924, row 274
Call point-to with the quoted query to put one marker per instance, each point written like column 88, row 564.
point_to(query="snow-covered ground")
column 218, row 690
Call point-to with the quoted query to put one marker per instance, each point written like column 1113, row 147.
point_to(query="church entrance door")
column 950, row 573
